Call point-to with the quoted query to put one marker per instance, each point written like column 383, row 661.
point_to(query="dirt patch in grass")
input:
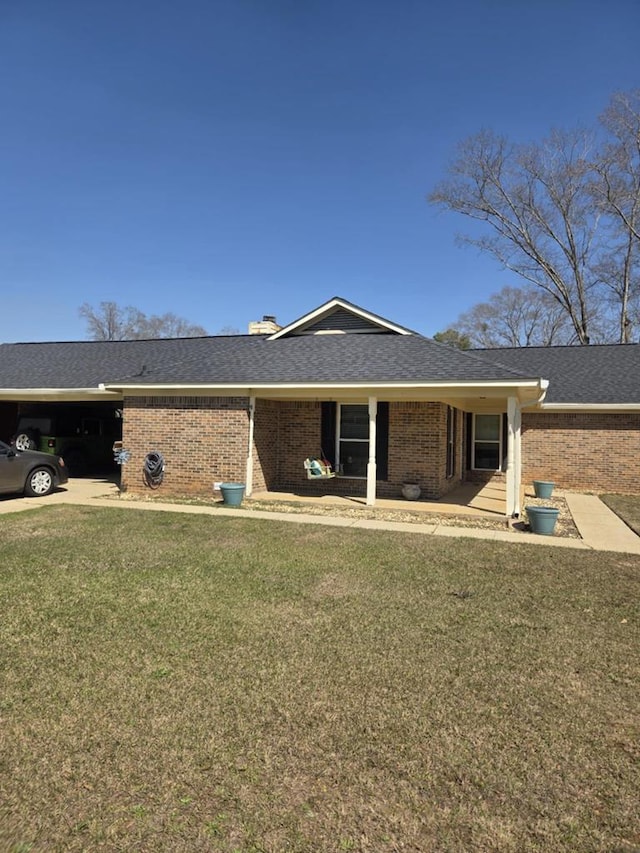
column 380, row 692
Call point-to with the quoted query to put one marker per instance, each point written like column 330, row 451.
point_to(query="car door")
column 11, row 470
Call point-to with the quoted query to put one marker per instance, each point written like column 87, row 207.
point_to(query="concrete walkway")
column 600, row 528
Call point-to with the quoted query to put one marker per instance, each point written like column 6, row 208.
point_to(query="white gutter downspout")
column 514, row 447
column 249, row 477
column 371, row 466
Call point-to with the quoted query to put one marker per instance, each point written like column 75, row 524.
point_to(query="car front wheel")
column 39, row 483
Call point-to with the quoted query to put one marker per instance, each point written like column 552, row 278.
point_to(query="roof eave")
column 590, row 407
column 523, row 389
column 62, row 394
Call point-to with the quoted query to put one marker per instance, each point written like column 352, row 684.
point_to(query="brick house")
column 382, row 403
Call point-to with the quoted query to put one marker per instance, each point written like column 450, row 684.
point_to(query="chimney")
column 266, row 326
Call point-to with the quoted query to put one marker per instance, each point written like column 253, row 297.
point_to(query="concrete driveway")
column 76, row 491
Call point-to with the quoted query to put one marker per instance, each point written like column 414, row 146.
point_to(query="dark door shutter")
column 505, row 441
column 328, row 432
column 382, row 441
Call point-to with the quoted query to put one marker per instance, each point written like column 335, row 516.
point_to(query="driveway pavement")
column 600, row 528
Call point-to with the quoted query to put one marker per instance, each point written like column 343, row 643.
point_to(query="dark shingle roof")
column 242, row 359
column 326, row 359
column 594, row 374
column 86, row 364
column 597, row 374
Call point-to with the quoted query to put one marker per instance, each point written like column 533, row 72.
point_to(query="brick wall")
column 417, row 449
column 202, row 439
column 594, row 452
column 265, row 445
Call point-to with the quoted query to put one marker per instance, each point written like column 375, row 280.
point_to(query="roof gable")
column 340, row 317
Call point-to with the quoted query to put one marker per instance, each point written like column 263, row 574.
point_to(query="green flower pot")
column 543, row 488
column 232, row 493
column 542, row 519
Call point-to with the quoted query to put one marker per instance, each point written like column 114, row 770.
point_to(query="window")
column 344, row 435
column 487, row 442
column 353, row 440
column 451, row 441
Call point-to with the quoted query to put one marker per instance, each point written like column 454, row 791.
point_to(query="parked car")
column 82, row 435
column 30, row 472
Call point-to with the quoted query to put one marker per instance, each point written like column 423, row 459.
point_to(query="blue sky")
column 225, row 159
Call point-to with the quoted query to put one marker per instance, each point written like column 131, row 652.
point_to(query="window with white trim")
column 353, row 440
column 486, row 447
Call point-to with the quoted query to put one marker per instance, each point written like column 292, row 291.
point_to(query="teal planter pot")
column 542, row 519
column 543, row 488
column 232, row 493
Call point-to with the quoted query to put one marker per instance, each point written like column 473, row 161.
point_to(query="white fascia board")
column 62, row 394
column 590, row 407
column 498, row 384
column 329, row 306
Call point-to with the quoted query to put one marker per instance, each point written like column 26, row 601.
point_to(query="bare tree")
column 616, row 189
column 515, row 317
column 536, row 200
column 112, row 322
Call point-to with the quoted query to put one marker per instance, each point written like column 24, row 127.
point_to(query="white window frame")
column 499, row 442
column 339, row 439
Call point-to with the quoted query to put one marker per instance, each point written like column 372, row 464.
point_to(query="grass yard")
column 187, row 683
column 627, row 507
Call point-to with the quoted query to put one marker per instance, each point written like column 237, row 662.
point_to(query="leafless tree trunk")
column 616, row 189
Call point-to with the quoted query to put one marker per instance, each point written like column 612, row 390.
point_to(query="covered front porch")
column 377, row 442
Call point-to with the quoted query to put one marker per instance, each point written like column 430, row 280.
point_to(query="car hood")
column 37, row 456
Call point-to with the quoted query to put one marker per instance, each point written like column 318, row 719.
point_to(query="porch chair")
column 318, row 469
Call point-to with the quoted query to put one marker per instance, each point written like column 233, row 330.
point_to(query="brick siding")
column 265, row 444
column 594, row 452
column 417, row 450
column 202, row 439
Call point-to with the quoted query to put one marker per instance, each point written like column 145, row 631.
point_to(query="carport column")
column 513, row 458
column 249, row 477
column 371, row 465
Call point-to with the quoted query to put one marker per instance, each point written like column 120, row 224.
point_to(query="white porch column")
column 371, row 465
column 514, row 466
column 517, row 460
column 249, row 477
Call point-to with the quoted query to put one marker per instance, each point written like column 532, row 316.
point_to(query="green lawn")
column 627, row 507
column 189, row 683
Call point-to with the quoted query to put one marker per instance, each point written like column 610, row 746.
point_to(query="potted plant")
column 542, row 519
column 411, row 490
column 543, row 488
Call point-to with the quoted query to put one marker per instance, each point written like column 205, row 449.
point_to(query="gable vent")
column 341, row 321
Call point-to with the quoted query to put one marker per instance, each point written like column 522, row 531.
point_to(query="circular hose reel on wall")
column 153, row 469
